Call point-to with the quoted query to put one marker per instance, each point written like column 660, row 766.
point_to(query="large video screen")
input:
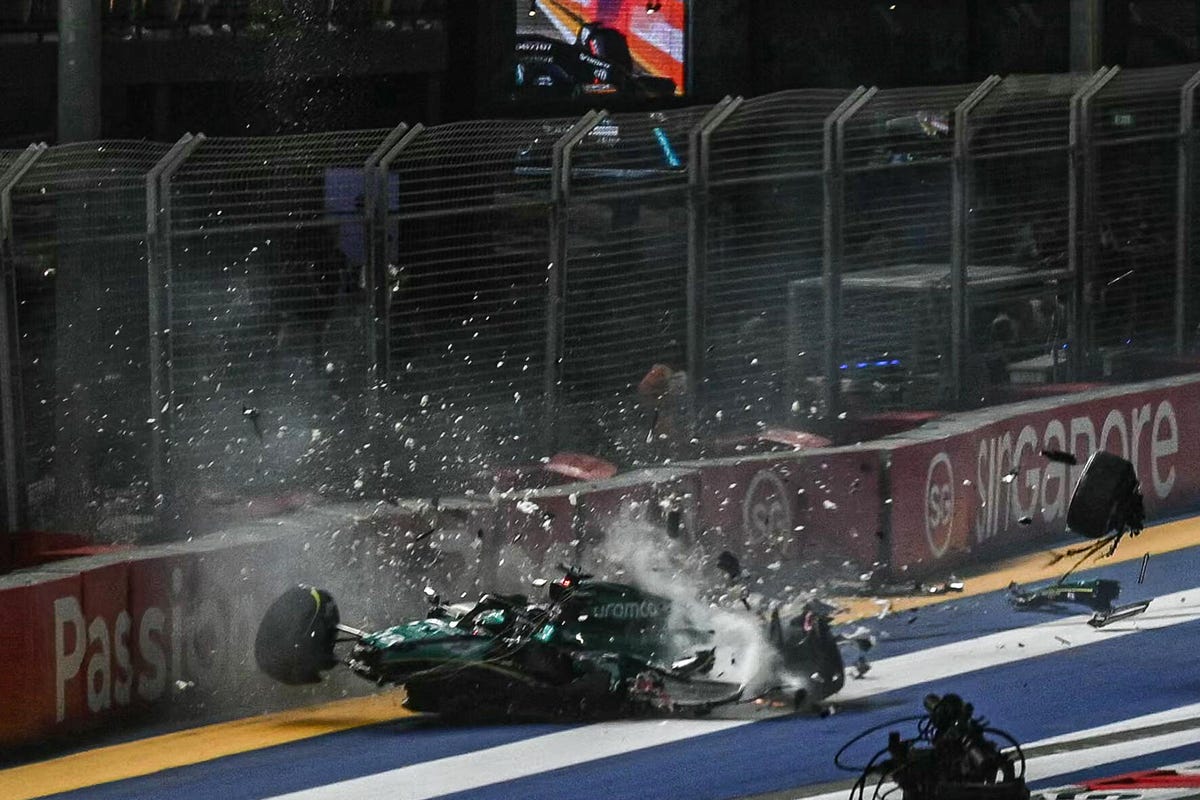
column 570, row 48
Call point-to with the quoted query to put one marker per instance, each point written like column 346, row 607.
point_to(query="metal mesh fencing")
column 8, row 158
column 765, row 221
column 406, row 311
column 626, row 264
column 896, row 157
column 79, row 260
column 268, row 313
column 468, row 294
column 1134, row 134
column 9, row 446
column 1018, row 229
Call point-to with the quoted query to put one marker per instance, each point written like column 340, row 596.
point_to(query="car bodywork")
column 594, row 648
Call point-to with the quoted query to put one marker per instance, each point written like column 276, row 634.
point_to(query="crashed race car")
column 593, row 649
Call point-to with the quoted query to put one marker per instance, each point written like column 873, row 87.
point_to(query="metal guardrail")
column 392, row 311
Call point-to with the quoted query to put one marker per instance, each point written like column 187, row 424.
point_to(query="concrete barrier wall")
column 90, row 641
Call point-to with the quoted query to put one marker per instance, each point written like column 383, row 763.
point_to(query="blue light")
column 895, row 362
column 882, row 363
column 667, row 148
column 861, row 364
column 845, row 366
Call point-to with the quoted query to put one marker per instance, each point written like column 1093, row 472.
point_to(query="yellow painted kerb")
column 184, row 748
column 1034, row 568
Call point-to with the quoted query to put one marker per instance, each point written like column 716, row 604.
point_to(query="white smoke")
column 638, row 552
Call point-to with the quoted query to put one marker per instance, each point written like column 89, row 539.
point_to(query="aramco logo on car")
column 939, row 504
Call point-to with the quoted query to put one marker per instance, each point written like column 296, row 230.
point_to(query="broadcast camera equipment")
column 950, row 758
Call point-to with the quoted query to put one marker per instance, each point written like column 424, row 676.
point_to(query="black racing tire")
column 295, row 639
column 1104, row 491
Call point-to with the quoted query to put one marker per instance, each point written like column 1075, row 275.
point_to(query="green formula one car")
column 593, row 649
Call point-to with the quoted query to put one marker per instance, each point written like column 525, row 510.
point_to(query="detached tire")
column 295, row 639
column 1105, row 489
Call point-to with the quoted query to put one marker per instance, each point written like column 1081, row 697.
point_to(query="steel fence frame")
column 688, row 241
column 12, row 435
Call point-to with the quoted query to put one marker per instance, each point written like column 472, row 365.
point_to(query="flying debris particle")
column 1142, row 570
column 1061, row 639
column 527, row 507
column 252, row 416
column 183, row 686
column 1060, row 457
column 861, row 667
column 885, row 607
column 424, row 400
column 829, row 505
column 1025, row 521
column 1009, row 476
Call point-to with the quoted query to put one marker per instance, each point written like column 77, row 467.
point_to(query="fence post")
column 375, row 188
column 556, row 277
column 1081, row 244
column 1183, row 209
column 159, row 285
column 700, row 150
column 12, row 428
column 834, row 130
column 960, row 234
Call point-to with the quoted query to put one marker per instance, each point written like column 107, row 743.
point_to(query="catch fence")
column 394, row 312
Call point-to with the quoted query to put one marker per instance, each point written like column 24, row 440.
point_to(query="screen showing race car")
column 571, row 48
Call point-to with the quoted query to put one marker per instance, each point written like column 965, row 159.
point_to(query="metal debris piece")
column 1142, row 570
column 1061, row 457
column 252, row 415
column 1097, row 595
column 1102, row 618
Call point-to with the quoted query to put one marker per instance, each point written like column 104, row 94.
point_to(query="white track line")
column 516, row 760
column 580, row 745
column 1019, row 644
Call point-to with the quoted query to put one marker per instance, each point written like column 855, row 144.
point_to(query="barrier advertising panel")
column 795, row 506
column 986, row 485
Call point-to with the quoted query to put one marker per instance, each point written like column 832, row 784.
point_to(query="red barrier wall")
column 972, row 485
column 30, row 705
column 817, row 503
column 82, row 641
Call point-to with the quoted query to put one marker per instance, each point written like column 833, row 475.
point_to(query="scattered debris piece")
column 1061, row 457
column 1097, row 595
column 728, row 563
column 946, row 587
column 861, row 667
column 1142, row 570
column 1102, row 618
column 1064, row 641
column 252, row 415
column 1025, row 521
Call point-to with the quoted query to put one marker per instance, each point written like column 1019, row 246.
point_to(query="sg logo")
column 939, row 504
